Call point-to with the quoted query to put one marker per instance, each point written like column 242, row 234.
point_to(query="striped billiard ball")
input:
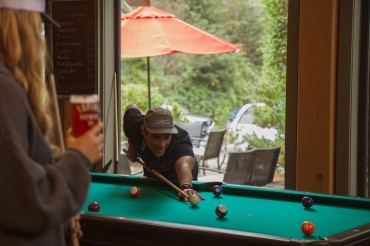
column 134, row 191
column 221, row 211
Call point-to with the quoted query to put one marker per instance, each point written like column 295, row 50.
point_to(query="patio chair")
column 194, row 129
column 254, row 167
column 211, row 149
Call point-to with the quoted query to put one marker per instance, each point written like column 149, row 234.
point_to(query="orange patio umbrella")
column 148, row 31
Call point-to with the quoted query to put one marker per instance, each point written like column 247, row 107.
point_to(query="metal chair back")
column 211, row 149
column 254, row 167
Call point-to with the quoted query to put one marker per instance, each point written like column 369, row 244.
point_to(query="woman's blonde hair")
column 22, row 49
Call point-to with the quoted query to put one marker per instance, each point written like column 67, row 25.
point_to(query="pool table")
column 256, row 216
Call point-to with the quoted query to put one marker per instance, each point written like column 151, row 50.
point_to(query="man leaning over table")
column 162, row 145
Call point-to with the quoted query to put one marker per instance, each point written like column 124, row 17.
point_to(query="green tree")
column 136, row 94
column 215, row 85
column 272, row 83
column 207, row 83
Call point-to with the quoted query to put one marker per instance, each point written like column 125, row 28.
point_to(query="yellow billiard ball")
column 194, row 200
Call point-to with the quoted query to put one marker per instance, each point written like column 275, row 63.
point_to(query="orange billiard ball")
column 307, row 228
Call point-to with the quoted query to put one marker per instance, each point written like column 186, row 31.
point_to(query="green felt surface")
column 250, row 209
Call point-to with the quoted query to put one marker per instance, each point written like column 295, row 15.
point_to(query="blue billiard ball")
column 307, row 202
column 217, row 190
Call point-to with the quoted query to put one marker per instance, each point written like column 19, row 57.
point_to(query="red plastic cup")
column 85, row 113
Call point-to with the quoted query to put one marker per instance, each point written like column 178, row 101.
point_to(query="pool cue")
column 74, row 239
column 57, row 113
column 162, row 177
column 116, row 132
column 159, row 175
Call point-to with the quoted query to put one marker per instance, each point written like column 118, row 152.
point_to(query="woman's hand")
column 91, row 143
column 76, row 227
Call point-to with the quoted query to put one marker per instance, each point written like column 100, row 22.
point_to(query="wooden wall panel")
column 316, row 96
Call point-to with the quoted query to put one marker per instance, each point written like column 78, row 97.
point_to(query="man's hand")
column 183, row 166
column 189, row 192
column 187, row 188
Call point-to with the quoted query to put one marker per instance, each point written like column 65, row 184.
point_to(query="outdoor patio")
column 278, row 182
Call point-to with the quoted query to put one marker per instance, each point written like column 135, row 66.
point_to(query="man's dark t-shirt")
column 180, row 146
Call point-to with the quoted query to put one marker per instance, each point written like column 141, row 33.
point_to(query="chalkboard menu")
column 74, row 46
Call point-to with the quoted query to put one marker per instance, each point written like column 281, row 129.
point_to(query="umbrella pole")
column 148, row 72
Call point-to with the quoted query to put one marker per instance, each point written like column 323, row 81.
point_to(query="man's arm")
column 184, row 165
column 130, row 153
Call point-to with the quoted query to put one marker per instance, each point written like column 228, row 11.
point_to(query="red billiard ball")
column 217, row 190
column 134, row 191
column 221, row 211
column 307, row 228
column 94, row 207
column 307, row 202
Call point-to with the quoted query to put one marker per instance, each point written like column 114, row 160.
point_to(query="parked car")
column 243, row 124
column 208, row 122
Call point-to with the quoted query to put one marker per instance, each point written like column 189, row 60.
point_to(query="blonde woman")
column 38, row 195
